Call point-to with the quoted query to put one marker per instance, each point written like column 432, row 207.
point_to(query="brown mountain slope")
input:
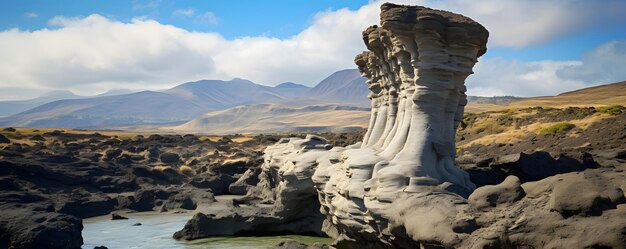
column 609, row 94
column 269, row 118
column 272, row 118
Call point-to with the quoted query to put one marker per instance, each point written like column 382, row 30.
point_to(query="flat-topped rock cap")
column 408, row 18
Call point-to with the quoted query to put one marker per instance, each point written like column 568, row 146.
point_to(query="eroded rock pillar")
column 416, row 66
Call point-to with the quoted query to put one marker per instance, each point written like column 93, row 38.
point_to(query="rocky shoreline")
column 51, row 179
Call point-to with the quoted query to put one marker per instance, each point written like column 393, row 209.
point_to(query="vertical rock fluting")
column 401, row 187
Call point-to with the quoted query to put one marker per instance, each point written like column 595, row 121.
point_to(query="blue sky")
column 92, row 46
column 280, row 18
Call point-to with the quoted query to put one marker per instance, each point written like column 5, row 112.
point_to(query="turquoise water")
column 157, row 229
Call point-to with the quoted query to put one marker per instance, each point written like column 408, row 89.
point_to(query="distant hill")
column 219, row 95
column 195, row 100
column 126, row 109
column 293, row 90
column 608, row 94
column 181, row 103
column 279, row 117
column 8, row 108
column 116, row 91
column 269, row 118
column 346, row 86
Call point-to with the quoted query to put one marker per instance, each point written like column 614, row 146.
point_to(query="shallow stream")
column 156, row 232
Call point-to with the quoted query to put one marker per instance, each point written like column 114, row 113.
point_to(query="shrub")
column 611, row 109
column 558, row 127
column 488, row 124
column 186, row 170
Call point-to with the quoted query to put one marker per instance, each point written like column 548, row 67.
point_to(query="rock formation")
column 282, row 201
column 399, row 187
column 403, row 177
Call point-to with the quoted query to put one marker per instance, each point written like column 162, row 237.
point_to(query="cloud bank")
column 92, row 54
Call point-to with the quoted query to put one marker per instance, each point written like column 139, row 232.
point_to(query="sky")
column 535, row 48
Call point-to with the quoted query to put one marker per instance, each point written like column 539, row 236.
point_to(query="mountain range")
column 184, row 102
column 270, row 118
column 337, row 103
column 261, row 118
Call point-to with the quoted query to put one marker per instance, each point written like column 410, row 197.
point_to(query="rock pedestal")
column 401, row 185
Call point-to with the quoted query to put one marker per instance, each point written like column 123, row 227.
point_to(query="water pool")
column 156, row 232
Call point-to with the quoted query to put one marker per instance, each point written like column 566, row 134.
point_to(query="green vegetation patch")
column 558, row 127
column 489, row 125
column 611, row 109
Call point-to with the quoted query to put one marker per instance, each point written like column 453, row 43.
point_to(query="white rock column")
column 416, row 66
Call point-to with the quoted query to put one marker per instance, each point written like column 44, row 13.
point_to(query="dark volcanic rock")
column 111, row 154
column 231, row 224
column 37, row 138
column 201, row 226
column 144, row 199
column 169, row 158
column 21, row 228
column 187, row 199
column 527, row 167
column 508, row 191
column 45, row 188
column 115, row 216
column 217, row 183
column 4, row 140
column 87, row 205
column 247, row 181
column 292, row 244
column 585, row 192
column 66, row 158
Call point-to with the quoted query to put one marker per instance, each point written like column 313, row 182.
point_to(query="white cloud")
column 31, row 15
column 604, row 64
column 146, row 4
column 208, row 18
column 184, row 12
column 499, row 77
column 90, row 54
column 530, row 22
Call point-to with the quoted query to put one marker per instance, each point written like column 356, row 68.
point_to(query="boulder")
column 540, row 164
column 169, row 158
column 115, row 216
column 584, row 193
column 217, row 183
column 111, row 154
column 188, row 199
column 248, row 180
column 86, row 205
column 37, row 138
column 21, row 228
column 201, row 226
column 4, row 140
column 509, row 191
